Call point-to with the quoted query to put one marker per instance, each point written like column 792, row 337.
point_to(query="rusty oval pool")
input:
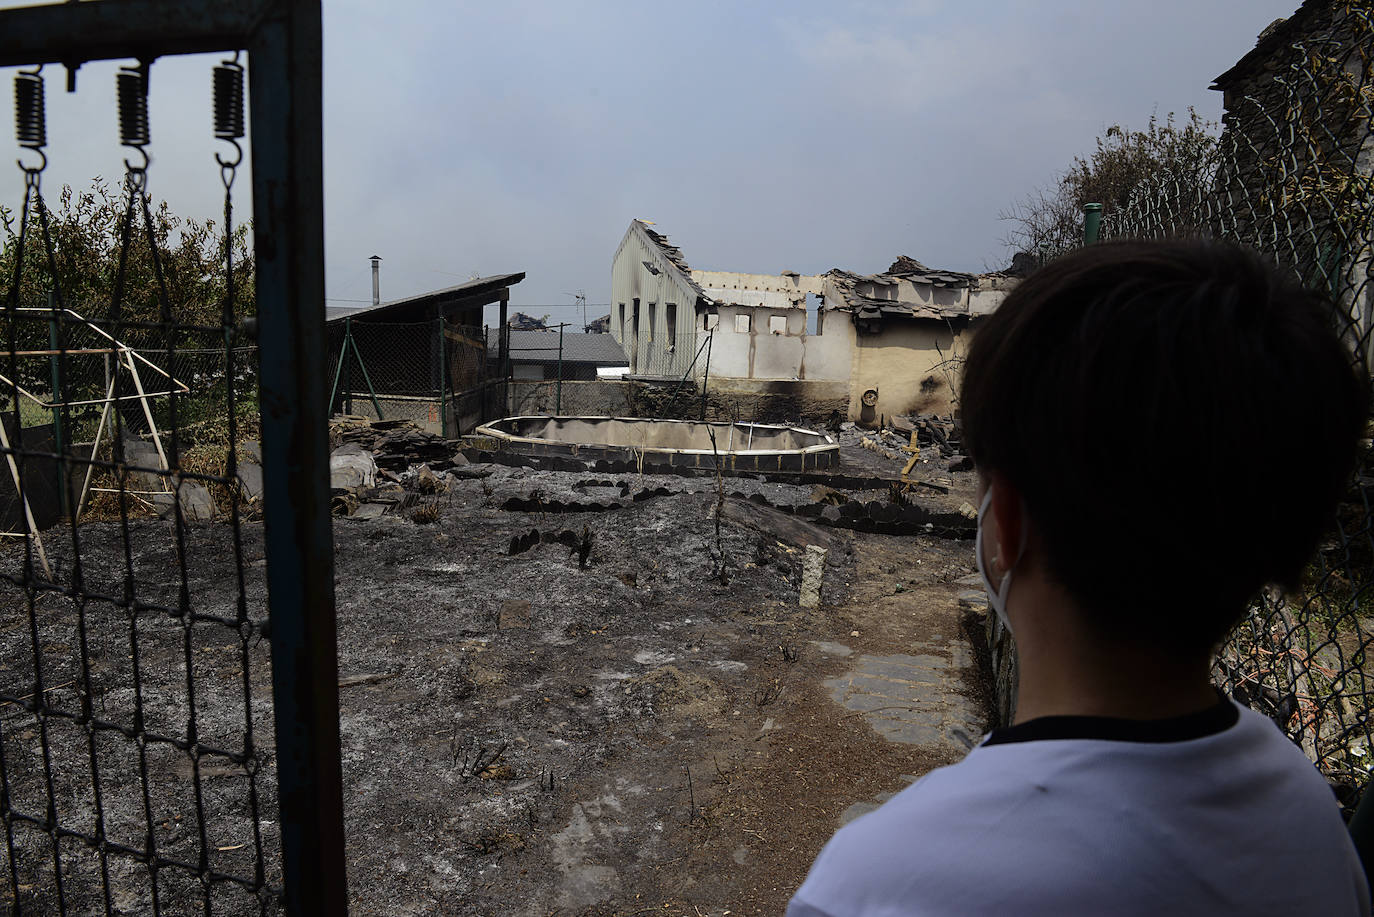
column 646, row 441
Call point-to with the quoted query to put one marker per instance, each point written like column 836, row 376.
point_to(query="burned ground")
column 617, row 711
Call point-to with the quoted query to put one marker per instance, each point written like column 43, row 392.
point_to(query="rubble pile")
column 933, row 439
column 397, row 444
column 380, row 467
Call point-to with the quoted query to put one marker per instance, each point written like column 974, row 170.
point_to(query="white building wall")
column 752, row 342
column 760, row 329
column 651, row 348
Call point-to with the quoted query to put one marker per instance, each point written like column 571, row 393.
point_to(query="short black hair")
column 1181, row 420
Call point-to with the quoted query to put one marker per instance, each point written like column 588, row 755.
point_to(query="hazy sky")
column 470, row 138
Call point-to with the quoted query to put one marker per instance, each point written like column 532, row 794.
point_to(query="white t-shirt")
column 1209, row 814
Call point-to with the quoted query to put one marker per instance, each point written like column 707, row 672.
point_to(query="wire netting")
column 133, row 667
column 136, row 775
column 657, row 357
column 476, row 389
column 1292, row 175
column 404, row 371
column 385, row 371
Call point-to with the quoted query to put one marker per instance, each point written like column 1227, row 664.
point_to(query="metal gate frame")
column 283, row 40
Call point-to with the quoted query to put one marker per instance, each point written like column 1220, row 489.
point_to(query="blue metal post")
column 288, row 205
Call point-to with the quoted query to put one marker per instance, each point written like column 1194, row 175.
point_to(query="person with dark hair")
column 1124, row 409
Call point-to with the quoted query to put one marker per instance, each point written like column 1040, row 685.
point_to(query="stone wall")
column 1002, row 653
column 777, row 401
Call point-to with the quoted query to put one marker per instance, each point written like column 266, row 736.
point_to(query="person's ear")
column 1006, row 536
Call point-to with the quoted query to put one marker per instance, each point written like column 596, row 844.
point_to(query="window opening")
column 815, row 316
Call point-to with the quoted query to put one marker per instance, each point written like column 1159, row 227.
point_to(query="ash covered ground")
column 625, row 713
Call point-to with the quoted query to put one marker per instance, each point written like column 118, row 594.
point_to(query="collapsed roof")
column 673, row 255
column 875, row 296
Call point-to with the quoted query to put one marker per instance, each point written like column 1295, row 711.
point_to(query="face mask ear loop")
column 978, row 543
column 998, row 597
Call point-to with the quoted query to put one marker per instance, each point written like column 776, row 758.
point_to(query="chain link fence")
column 1292, row 176
column 386, row 371
column 659, row 358
column 405, row 371
column 438, row 375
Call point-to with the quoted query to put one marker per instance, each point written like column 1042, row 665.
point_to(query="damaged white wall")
column 653, row 307
column 913, row 363
column 761, row 334
column 760, row 326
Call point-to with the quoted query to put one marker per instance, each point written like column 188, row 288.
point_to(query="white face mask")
column 996, row 597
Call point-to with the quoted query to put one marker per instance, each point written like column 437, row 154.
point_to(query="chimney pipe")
column 376, row 280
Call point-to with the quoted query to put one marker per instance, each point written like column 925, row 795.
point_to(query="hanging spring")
column 228, row 89
column 30, row 124
column 131, row 84
column 30, row 118
column 229, row 101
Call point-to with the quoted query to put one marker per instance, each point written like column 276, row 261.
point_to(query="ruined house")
column 654, row 304
column 522, row 322
column 1297, row 151
column 867, row 346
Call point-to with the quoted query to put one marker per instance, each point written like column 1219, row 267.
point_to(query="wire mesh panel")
column 132, row 663
column 1292, row 175
column 140, row 674
column 386, row 371
column 474, row 389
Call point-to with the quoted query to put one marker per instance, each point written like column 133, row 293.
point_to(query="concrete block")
column 813, row 571
column 898, row 691
column 250, row 480
column 863, row 702
column 196, row 503
column 903, row 668
column 974, row 600
column 351, row 467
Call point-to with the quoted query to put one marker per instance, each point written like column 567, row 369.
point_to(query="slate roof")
column 911, row 269
column 847, row 284
column 1277, row 35
column 542, row 347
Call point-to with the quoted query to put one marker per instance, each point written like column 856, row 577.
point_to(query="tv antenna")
column 581, row 297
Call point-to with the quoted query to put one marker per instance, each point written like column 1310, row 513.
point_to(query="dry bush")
column 425, row 514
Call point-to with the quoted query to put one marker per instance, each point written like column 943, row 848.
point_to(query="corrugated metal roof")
column 473, row 288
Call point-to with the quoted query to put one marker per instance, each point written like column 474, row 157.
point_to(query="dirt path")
column 779, row 783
